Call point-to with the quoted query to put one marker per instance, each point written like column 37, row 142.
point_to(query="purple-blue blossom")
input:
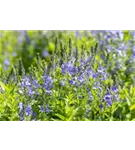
column 21, row 106
column 72, row 82
column 47, row 109
column 34, row 114
column 31, row 92
column 21, row 116
column 114, row 89
column 69, row 68
column 7, row 62
column 62, row 83
column 81, row 79
column 25, row 35
column 35, row 83
column 28, row 110
column 48, row 83
column 108, row 99
column 45, row 53
column 42, row 109
column 49, row 92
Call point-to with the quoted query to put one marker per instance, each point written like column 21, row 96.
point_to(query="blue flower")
column 102, row 56
column 25, row 35
column 20, row 39
column 88, row 89
column 96, row 85
column 108, row 99
column 31, row 92
column 90, row 95
column 69, row 68
column 25, row 82
column 114, row 89
column 116, row 97
column 83, row 63
column 48, row 82
column 72, row 70
column 133, row 48
column 133, row 55
column 47, row 79
column 89, row 72
column 63, row 69
column 81, row 79
column 21, row 116
column 49, row 92
column 14, row 54
column 94, row 75
column 77, row 33
column 47, row 109
column 34, row 114
column 109, row 48
column 35, row 83
column 67, row 65
column 101, row 69
column 101, row 106
column 7, row 62
column 45, row 53
column 42, row 109
column 21, row 106
column 121, row 34
column 108, row 95
column 73, row 82
column 88, row 59
column 109, row 102
column 62, row 83
column 28, row 110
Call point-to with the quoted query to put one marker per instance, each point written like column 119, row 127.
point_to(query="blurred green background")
column 26, row 44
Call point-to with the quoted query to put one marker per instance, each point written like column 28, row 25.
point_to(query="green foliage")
column 34, row 55
column 8, row 103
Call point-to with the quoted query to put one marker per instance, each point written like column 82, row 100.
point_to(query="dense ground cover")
column 66, row 75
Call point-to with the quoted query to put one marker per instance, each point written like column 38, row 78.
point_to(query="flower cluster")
column 72, row 79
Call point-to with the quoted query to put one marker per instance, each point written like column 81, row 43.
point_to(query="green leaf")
column 2, row 86
column 128, row 101
column 51, row 46
column 63, row 118
column 53, row 119
column 133, row 119
column 128, row 116
column 87, row 119
column 69, row 111
column 132, row 107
